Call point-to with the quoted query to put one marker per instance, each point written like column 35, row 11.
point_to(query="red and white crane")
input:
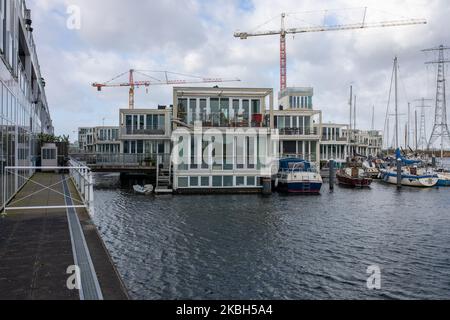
column 322, row 28
column 132, row 83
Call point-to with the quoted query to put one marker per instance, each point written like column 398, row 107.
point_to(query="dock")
column 38, row 247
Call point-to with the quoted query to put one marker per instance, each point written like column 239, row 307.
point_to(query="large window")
column 246, row 108
column 224, row 112
column 215, row 111
column 192, row 110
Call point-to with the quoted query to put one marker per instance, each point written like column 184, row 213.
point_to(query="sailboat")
column 412, row 174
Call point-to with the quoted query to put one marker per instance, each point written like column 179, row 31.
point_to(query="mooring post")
column 399, row 173
column 332, row 174
column 267, row 186
column 433, row 162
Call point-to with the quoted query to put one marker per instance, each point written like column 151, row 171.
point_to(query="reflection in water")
column 281, row 247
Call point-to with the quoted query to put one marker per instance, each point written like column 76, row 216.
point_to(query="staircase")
column 163, row 179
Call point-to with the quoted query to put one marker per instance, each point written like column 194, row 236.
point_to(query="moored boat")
column 411, row 177
column 371, row 169
column 298, row 176
column 353, row 177
column 444, row 179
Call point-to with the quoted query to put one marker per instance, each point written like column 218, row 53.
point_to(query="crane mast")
column 340, row 27
column 133, row 84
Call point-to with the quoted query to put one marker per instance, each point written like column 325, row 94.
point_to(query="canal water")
column 280, row 247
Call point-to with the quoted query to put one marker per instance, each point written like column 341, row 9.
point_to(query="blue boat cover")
column 405, row 161
column 288, row 163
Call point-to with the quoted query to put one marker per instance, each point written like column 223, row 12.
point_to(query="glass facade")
column 221, row 112
column 300, row 102
column 23, row 107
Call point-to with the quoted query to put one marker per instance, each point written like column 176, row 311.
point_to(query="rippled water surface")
column 281, row 247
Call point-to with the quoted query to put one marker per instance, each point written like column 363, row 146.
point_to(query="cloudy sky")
column 196, row 37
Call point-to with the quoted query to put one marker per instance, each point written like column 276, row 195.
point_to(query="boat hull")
column 411, row 181
column 353, row 182
column 300, row 187
column 444, row 181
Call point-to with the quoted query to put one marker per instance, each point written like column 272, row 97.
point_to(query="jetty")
column 45, row 232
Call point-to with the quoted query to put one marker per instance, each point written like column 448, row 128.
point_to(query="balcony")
column 299, row 132
column 143, row 132
column 221, row 120
column 328, row 139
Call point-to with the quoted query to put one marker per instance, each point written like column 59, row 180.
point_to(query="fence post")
column 91, row 196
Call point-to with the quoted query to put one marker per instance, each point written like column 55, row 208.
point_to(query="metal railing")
column 331, row 139
column 160, row 131
column 79, row 173
column 312, row 157
column 299, row 132
column 82, row 178
column 221, row 120
column 121, row 159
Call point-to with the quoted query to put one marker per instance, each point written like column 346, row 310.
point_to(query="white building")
column 86, row 139
column 364, row 143
column 299, row 124
column 334, row 142
column 222, row 138
column 146, row 133
column 106, row 140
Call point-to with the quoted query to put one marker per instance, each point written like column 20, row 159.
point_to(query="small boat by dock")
column 145, row 190
column 353, row 177
column 298, row 176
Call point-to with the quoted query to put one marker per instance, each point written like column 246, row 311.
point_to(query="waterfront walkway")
column 38, row 246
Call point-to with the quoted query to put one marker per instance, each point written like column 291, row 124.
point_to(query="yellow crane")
column 285, row 31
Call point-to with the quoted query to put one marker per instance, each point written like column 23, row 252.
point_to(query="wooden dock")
column 37, row 247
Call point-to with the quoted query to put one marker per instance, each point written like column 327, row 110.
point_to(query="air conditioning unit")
column 27, row 17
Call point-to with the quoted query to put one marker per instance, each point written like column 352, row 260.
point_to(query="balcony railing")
column 299, row 132
column 122, row 160
column 339, row 139
column 143, row 132
column 305, row 156
column 221, row 120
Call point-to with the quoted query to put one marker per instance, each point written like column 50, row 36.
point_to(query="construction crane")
column 133, row 84
column 283, row 32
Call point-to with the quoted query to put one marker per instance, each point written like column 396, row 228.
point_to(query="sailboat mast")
column 350, row 133
column 396, row 103
column 408, row 128
column 373, row 118
column 354, row 115
column 415, row 132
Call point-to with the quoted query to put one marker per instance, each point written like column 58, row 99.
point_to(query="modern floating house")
column 227, row 139
column 222, row 138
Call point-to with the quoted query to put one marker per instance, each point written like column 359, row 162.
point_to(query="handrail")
column 83, row 180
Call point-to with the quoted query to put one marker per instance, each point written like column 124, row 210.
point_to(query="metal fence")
column 80, row 174
column 122, row 160
column 84, row 182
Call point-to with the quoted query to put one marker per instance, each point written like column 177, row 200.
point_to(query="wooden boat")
column 353, row 177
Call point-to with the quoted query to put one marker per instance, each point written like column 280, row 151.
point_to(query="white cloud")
column 196, row 37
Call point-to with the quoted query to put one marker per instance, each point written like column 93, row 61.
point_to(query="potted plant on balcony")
column 148, row 162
